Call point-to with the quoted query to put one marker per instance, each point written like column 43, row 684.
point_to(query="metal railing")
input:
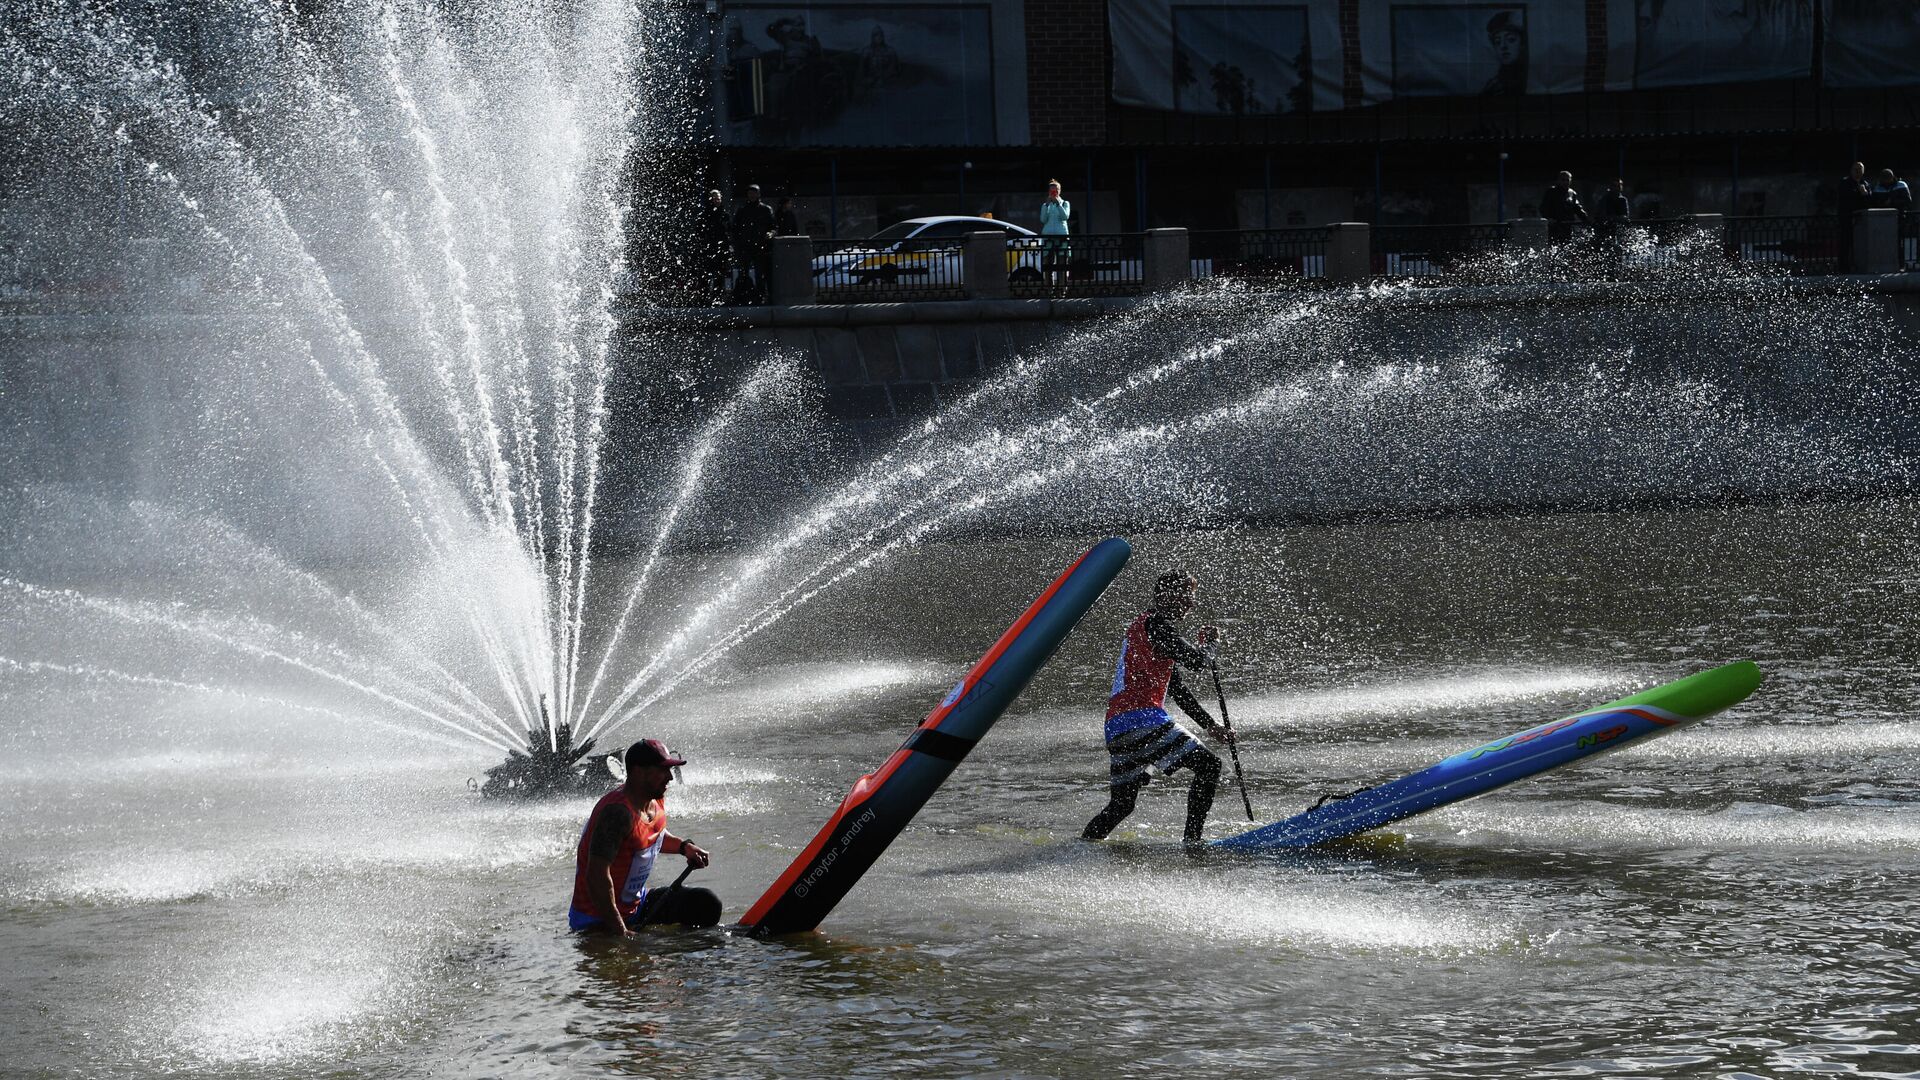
column 1910, row 240
column 1431, row 251
column 1797, row 245
column 1111, row 264
column 847, row 272
column 1263, row 255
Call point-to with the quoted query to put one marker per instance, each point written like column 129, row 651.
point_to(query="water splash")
column 397, row 233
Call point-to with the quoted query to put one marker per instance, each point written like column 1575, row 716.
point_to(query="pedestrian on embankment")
column 1891, row 193
column 1055, row 249
column 1561, row 207
column 1854, row 195
column 753, row 229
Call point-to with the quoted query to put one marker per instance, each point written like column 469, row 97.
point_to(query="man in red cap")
column 625, row 833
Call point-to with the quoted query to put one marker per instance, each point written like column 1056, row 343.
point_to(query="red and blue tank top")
column 1140, row 677
column 632, row 862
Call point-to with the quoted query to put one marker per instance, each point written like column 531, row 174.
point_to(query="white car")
column 924, row 252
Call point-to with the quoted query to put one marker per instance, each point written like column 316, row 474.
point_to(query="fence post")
column 1349, row 251
column 792, row 271
column 984, row 265
column 1526, row 234
column 1165, row 259
column 1876, row 241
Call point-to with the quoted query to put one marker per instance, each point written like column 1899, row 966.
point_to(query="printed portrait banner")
column 1700, row 42
column 1871, row 43
column 1452, row 49
column 1225, row 59
column 858, row 75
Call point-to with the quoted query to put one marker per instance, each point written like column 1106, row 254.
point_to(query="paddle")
column 681, row 878
column 1238, row 776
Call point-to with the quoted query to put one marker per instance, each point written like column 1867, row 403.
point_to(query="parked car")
column 924, row 251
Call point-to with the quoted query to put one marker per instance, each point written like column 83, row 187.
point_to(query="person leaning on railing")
column 1892, row 193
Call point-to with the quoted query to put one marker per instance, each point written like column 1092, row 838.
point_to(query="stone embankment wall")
column 885, row 365
column 103, row 404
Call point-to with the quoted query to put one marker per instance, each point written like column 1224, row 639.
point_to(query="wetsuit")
column 1140, row 735
column 629, row 843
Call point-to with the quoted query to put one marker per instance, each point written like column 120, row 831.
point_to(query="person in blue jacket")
column 1055, row 212
column 1891, row 193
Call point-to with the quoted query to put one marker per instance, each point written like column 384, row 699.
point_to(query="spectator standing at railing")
column 1610, row 224
column 1892, row 193
column 713, row 253
column 753, row 228
column 1055, row 212
column 785, row 221
column 1615, row 211
column 1854, row 196
column 1561, row 207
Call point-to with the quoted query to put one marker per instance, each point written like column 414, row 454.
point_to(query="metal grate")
column 1278, row 256
column 1431, row 251
column 1087, row 265
column 845, row 272
column 1798, row 245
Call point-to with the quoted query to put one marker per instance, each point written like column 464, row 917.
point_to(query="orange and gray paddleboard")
column 883, row 802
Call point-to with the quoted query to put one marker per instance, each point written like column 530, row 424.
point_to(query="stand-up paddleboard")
column 1516, row 757
column 882, row 802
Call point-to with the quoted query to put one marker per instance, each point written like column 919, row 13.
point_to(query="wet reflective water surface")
column 1741, row 898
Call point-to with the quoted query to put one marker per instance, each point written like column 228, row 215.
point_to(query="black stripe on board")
column 938, row 744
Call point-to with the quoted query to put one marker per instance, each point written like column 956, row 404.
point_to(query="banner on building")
column 1460, row 50
column 1224, row 58
column 858, row 75
column 1445, row 48
column 1871, row 43
column 1700, row 42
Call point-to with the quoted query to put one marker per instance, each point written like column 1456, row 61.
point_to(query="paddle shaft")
column 1232, row 750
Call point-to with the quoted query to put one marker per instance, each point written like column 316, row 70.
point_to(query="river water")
column 230, row 892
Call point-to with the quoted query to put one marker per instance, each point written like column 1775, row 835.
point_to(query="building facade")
column 1246, row 115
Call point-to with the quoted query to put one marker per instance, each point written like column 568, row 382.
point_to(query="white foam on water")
column 1254, row 907
column 768, row 693
column 702, row 775
column 1800, row 741
column 1413, row 697
column 152, row 877
column 271, row 995
column 1742, row 826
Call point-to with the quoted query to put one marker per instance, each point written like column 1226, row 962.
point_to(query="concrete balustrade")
column 984, row 259
column 1166, row 261
column 792, row 278
column 1166, row 255
column 1876, row 242
column 1349, row 252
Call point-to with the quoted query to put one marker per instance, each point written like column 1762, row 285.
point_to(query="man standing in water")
column 625, row 832
column 1139, row 732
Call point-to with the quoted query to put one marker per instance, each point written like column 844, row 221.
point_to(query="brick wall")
column 1351, row 90
column 1596, row 79
column 1067, row 72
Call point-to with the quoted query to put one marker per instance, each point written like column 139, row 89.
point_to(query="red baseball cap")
column 651, row 752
